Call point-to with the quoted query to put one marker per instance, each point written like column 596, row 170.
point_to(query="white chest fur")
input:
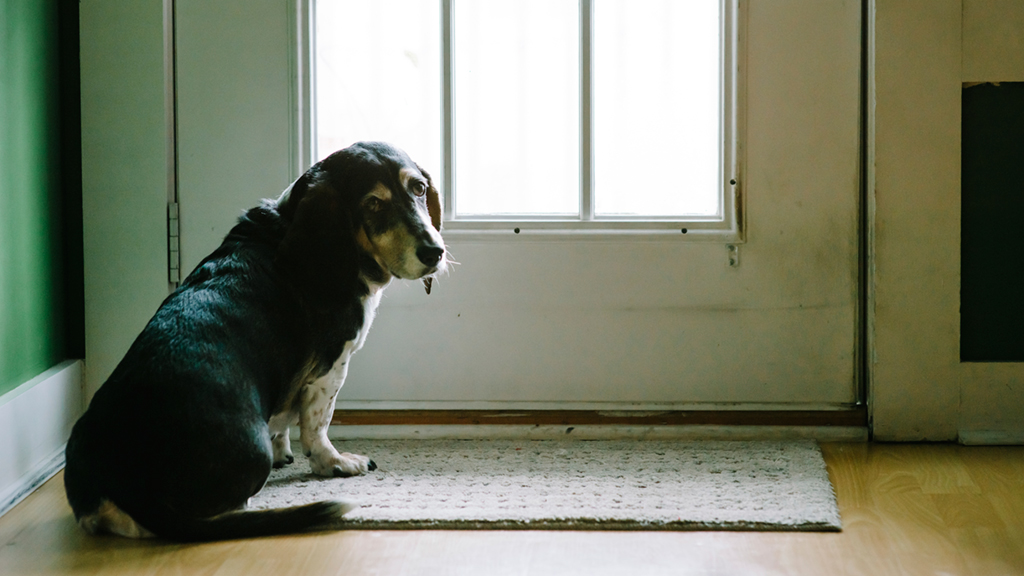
column 333, row 380
column 370, row 304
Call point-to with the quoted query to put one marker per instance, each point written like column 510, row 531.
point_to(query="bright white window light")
column 656, row 108
column 378, row 76
column 516, row 68
column 656, row 101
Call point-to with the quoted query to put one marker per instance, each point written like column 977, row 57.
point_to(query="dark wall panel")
column 992, row 224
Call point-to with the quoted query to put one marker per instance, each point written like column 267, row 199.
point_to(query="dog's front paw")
column 282, row 451
column 340, row 465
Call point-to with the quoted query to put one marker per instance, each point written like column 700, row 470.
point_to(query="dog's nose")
column 429, row 255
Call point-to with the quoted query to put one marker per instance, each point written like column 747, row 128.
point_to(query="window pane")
column 378, row 76
column 656, row 107
column 516, row 67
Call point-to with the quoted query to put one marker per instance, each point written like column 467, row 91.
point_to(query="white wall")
column 124, row 176
column 922, row 52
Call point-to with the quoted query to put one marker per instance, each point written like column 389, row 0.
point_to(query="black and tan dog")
column 256, row 339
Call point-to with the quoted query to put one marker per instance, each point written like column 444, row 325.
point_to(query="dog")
column 256, row 339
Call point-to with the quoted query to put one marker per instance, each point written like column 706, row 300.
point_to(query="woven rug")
column 578, row 485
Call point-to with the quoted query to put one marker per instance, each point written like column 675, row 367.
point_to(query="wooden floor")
column 906, row 509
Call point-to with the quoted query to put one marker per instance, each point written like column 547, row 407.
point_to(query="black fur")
column 178, row 434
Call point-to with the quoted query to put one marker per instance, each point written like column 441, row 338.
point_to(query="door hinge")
column 173, row 251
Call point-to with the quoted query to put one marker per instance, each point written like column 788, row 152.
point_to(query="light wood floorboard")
column 906, row 509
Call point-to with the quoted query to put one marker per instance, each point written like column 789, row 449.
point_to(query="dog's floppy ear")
column 288, row 201
column 314, row 250
column 434, row 207
column 436, row 210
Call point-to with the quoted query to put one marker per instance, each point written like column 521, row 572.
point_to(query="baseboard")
column 31, row 480
column 832, row 426
column 992, row 437
column 35, row 422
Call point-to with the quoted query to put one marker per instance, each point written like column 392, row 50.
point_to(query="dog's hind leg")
column 280, row 429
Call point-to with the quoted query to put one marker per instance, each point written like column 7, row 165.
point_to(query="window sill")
column 715, row 231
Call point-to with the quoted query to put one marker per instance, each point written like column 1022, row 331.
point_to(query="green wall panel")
column 32, row 304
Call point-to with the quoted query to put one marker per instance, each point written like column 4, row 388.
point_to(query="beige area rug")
column 578, row 485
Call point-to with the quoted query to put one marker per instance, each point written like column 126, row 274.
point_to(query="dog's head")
column 382, row 198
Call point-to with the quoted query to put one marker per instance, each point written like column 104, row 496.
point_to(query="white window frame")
column 726, row 226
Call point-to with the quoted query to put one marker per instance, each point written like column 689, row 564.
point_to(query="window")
column 578, row 115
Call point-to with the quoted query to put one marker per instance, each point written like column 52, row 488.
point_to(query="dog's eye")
column 374, row 204
column 418, row 188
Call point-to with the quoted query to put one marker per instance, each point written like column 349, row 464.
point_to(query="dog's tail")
column 166, row 523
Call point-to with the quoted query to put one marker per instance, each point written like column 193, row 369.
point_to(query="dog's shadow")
column 294, row 479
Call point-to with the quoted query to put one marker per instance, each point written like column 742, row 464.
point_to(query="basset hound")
column 255, row 340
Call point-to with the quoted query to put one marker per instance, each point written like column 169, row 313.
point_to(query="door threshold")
column 828, row 426
column 854, row 416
